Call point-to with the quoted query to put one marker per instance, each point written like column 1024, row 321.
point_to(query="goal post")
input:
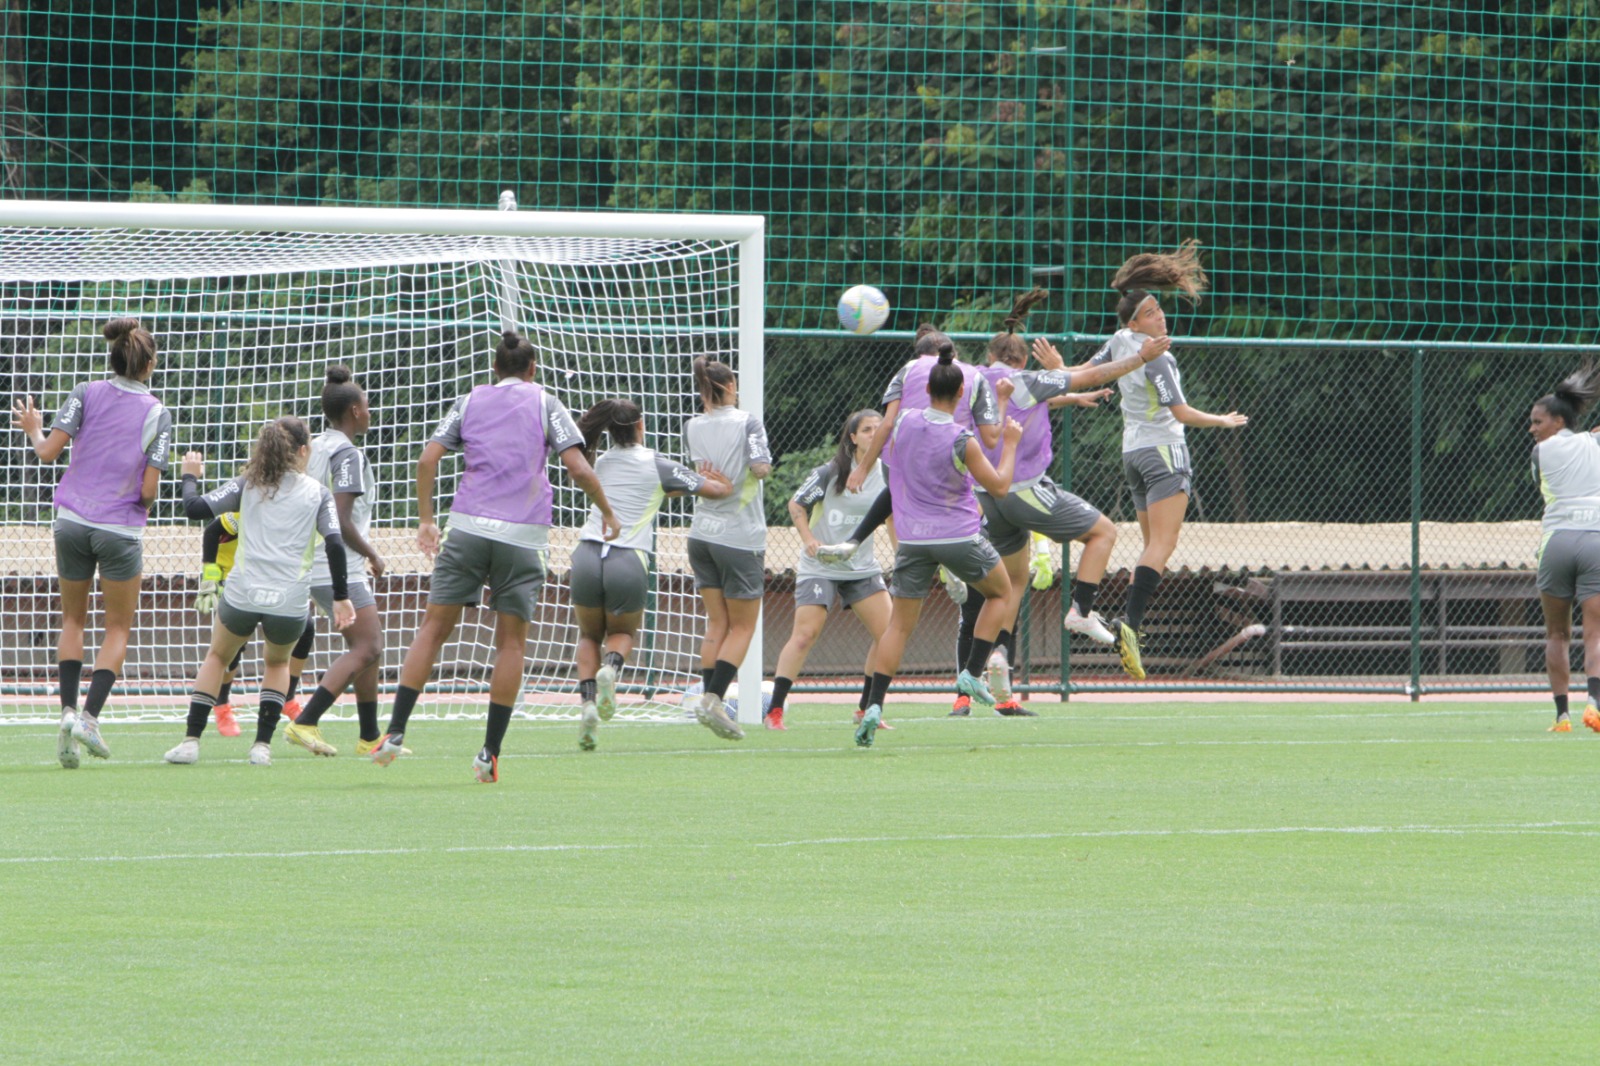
column 250, row 305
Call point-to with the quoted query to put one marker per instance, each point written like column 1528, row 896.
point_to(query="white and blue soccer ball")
column 863, row 309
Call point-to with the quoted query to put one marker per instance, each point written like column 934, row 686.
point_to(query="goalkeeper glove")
column 1044, row 571
column 205, row 601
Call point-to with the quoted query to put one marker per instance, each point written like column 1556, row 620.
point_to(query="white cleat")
column 588, row 725
column 714, row 717
column 999, row 672
column 66, row 745
column 954, row 587
column 260, row 755
column 1093, row 626
column 86, row 731
column 605, row 690
column 835, row 554
column 187, row 753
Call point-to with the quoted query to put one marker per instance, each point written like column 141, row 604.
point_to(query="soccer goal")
column 250, row 305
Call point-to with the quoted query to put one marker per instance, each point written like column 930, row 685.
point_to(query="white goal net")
column 250, row 306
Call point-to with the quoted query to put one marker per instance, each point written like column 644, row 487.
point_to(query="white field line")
column 1563, row 829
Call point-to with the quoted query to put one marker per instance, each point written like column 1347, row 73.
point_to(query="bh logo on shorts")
column 265, row 597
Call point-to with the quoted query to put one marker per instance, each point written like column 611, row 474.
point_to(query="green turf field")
column 1112, row 883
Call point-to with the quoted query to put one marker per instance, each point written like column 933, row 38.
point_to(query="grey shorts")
column 468, row 562
column 820, row 591
column 915, row 565
column 79, row 549
column 360, row 596
column 617, row 580
column 1039, row 508
column 1569, row 565
column 739, row 572
column 277, row 628
column 1153, row 474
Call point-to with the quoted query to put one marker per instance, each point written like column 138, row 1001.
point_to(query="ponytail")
column 946, row 379
column 714, row 381
column 1149, row 272
column 277, row 452
column 1007, row 347
column 340, row 395
column 133, row 349
column 621, row 417
column 1577, row 391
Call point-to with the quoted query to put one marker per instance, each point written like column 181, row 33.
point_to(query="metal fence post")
column 1415, row 687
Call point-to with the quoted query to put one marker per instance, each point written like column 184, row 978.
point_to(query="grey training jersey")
column 337, row 463
column 730, row 440
column 1148, row 393
column 833, row 514
column 278, row 538
column 1567, row 469
column 636, row 481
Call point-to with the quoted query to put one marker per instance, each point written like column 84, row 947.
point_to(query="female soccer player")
column 282, row 513
column 499, row 533
column 727, row 537
column 1155, row 460
column 932, row 464
column 857, row 582
column 1566, row 467
column 120, row 434
column 611, row 579
column 339, row 463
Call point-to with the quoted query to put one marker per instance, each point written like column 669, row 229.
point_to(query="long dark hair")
column 945, row 380
column 340, row 395
column 1573, row 396
column 1007, row 347
column 1149, row 272
column 513, row 355
column 275, row 453
column 132, row 350
column 844, row 457
column 714, row 381
column 619, row 416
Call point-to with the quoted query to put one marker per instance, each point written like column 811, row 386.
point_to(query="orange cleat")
column 775, row 719
column 291, row 710
column 1563, row 725
column 1591, row 717
column 227, row 724
column 962, row 708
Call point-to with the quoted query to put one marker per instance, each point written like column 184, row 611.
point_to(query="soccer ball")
column 863, row 309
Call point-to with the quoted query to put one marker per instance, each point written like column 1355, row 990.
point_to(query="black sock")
column 780, row 691
column 294, row 684
column 69, row 675
column 367, row 716
column 1145, row 580
column 1594, row 689
column 880, row 689
column 1006, row 640
column 199, row 711
column 1561, row 705
column 271, row 711
column 866, row 692
column 586, row 691
column 100, row 683
column 225, row 692
column 404, row 699
column 969, row 619
column 978, row 658
column 613, row 659
column 1083, row 594
column 705, row 678
column 495, row 732
column 316, row 706
column 722, row 676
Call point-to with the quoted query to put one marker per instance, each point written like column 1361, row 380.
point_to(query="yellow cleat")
column 367, row 747
column 1128, row 649
column 309, row 737
column 1563, row 725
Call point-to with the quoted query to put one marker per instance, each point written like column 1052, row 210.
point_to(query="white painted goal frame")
column 414, row 300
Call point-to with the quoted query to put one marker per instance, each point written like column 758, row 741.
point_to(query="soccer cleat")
column 962, row 707
column 389, row 749
column 486, row 767
column 66, row 746
column 309, row 737
column 774, row 719
column 968, row 685
column 711, row 713
column 1128, row 649
column 86, row 731
column 187, row 753
column 882, row 725
column 588, row 724
column 291, row 710
column 999, row 672
column 954, row 587
column 1563, row 725
column 227, row 724
column 867, row 728
column 1591, row 716
column 1090, row 625
column 835, row 554
column 605, row 688
column 367, row 747
column 260, row 754
column 1013, row 709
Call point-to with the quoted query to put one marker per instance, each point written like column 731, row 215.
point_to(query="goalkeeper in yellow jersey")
column 218, row 546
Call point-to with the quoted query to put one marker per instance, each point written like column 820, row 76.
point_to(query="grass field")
column 1112, row 883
